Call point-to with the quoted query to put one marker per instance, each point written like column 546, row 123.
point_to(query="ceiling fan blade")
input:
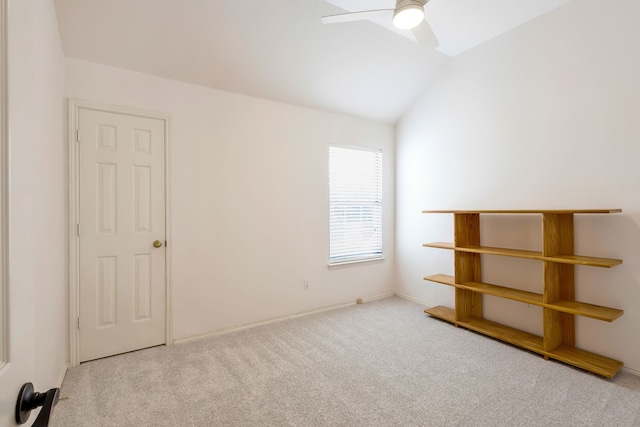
column 425, row 35
column 355, row 16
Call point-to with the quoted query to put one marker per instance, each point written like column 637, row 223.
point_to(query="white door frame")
column 4, row 191
column 75, row 105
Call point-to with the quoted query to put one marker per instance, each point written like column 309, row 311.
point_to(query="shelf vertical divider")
column 467, row 265
column 559, row 279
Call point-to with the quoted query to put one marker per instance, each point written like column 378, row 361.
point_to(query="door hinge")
column 77, row 135
column 78, row 229
column 78, row 323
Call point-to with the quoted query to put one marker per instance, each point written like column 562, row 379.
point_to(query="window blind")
column 355, row 204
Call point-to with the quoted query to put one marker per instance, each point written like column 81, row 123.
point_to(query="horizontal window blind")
column 355, row 204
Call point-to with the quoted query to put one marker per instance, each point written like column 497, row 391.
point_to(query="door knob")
column 157, row 244
column 29, row 400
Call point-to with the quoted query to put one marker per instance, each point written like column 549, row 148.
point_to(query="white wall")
column 250, row 208
column 543, row 117
column 38, row 262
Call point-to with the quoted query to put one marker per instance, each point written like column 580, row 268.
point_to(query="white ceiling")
column 459, row 25
column 279, row 49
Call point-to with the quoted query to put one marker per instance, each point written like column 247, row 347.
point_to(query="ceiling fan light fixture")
column 408, row 14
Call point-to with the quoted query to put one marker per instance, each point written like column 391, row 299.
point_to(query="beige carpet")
column 383, row 363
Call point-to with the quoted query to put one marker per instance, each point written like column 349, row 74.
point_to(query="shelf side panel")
column 557, row 237
column 559, row 279
column 466, row 229
column 467, row 265
column 559, row 285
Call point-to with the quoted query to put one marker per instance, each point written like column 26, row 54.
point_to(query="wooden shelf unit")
column 558, row 297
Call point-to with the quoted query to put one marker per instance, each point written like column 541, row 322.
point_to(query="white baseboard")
column 275, row 320
column 428, row 305
column 631, row 371
column 377, row 297
column 307, row 313
column 63, row 373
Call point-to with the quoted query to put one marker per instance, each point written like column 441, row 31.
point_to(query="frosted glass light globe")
column 408, row 16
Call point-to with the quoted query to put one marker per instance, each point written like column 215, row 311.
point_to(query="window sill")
column 343, row 264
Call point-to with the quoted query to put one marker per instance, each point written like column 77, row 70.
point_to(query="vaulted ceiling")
column 279, row 49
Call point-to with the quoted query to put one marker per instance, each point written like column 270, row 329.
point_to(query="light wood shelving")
column 519, row 253
column 558, row 297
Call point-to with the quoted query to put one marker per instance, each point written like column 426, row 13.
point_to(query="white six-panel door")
column 122, row 214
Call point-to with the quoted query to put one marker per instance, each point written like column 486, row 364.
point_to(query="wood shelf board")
column 443, row 313
column 489, row 289
column 445, row 279
column 503, row 292
column 489, row 328
column 527, row 211
column 520, row 253
column 572, row 307
column 505, row 333
column 592, row 362
column 587, row 310
column 586, row 360
column 440, row 245
column 584, row 260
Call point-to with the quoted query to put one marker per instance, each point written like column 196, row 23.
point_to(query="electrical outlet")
column 306, row 285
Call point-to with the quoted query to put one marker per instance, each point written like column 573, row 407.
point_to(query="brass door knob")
column 157, row 244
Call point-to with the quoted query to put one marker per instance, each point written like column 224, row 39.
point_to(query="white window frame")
column 370, row 247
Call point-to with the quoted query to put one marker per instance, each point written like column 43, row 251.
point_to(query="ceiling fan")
column 406, row 15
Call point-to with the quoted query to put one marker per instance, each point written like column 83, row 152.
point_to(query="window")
column 355, row 204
